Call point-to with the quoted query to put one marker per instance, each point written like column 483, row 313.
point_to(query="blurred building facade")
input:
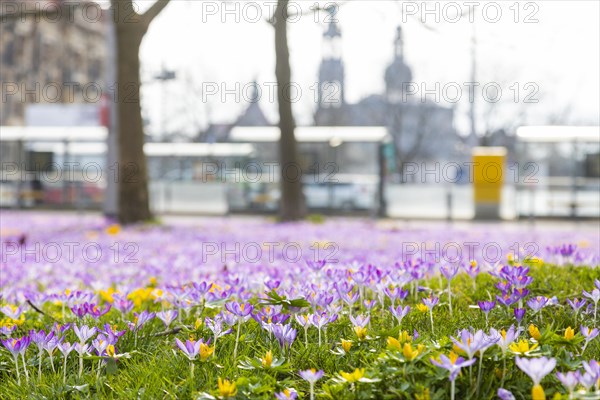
column 421, row 130
column 50, row 58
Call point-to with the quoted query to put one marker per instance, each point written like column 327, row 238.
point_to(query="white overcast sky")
column 560, row 53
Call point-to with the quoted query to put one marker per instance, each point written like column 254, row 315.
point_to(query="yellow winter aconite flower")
column 141, row 295
column 107, row 295
column 198, row 324
column 405, row 337
column 422, row 307
column 110, row 350
column 113, row 229
column 534, row 332
column 522, row 347
column 536, row 260
column 453, row 357
column 346, row 345
column 361, row 332
column 409, row 353
column 424, row 395
column 267, row 360
column 355, row 376
column 206, row 351
column 393, row 344
column 569, row 333
column 537, row 393
column 9, row 322
column 226, row 388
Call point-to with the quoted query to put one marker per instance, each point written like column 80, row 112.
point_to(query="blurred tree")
column 131, row 27
column 292, row 206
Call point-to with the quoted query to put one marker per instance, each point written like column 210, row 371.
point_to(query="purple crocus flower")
column 486, row 306
column 350, row 297
column 40, row 338
column 140, row 320
column 81, row 348
column 587, row 380
column 569, row 380
column 16, row 346
column 453, row 365
column 576, row 304
column 122, row 304
column 504, row 394
column 593, row 368
column 449, row 271
column 472, row 269
column 319, row 320
column 84, row 333
column 12, row 312
column 100, row 343
column 395, row 293
column 284, row 334
column 241, row 310
column 311, row 376
column 167, row 317
column 589, row 334
column 369, row 304
column 508, row 337
column 112, row 333
column 360, row 320
column 503, row 286
column 7, row 330
column 537, row 303
column 51, row 345
column 316, row 265
column 469, row 342
column 594, row 295
column 536, row 368
column 430, row 301
column 507, row 300
column 216, row 326
column 65, row 348
column 190, row 349
column 287, row 394
column 519, row 314
column 81, row 310
column 399, row 313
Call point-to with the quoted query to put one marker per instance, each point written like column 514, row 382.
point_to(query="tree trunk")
column 132, row 176
column 134, row 202
column 292, row 206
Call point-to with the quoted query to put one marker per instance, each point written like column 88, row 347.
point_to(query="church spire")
column 399, row 44
column 331, row 73
column 398, row 74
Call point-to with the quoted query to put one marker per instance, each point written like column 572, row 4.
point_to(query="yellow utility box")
column 488, row 178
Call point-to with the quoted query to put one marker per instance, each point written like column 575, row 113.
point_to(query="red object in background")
column 105, row 111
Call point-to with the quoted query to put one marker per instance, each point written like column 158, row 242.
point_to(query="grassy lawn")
column 344, row 330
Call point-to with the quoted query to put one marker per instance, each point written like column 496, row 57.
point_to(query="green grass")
column 158, row 370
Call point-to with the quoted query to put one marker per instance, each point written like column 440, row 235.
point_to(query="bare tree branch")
column 154, row 10
column 312, row 10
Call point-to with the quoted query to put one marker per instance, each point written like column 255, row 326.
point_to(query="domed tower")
column 331, row 72
column 398, row 73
